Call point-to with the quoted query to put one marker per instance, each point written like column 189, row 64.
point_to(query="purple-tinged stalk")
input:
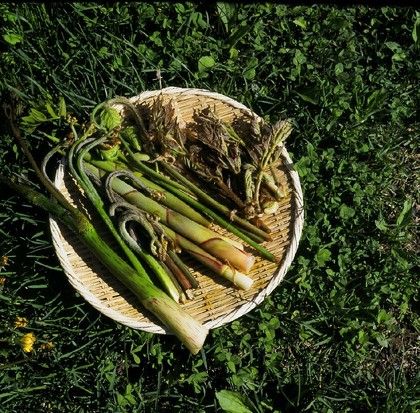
column 239, row 279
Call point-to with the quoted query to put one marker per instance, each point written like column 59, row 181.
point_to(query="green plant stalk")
column 135, row 159
column 169, row 199
column 178, row 274
column 172, row 201
column 206, row 238
column 227, row 225
column 195, row 190
column 246, row 235
column 214, row 204
column 78, row 173
column 169, row 260
column 242, row 281
column 180, row 264
column 154, row 264
column 176, row 284
column 250, row 239
column 178, row 201
column 188, row 330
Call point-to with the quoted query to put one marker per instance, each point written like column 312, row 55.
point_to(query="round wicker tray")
column 217, row 301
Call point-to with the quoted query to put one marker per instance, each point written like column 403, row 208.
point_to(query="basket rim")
column 244, row 307
column 172, row 90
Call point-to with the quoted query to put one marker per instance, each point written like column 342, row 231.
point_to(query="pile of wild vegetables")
column 144, row 175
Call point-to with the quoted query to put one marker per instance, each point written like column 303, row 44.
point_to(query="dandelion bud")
column 20, row 322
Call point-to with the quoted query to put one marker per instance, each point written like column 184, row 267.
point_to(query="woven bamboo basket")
column 217, row 301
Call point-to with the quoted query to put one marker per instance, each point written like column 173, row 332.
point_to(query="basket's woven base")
column 216, row 301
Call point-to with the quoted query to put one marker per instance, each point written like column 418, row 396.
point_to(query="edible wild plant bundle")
column 237, row 157
column 143, row 170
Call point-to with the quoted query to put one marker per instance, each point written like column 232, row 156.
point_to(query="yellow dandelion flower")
column 2, row 281
column 21, row 322
column 4, row 260
column 46, row 346
column 27, row 342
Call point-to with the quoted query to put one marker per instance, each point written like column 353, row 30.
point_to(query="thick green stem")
column 168, row 199
column 240, row 280
column 181, row 324
column 208, row 239
column 227, row 225
column 213, row 203
column 191, row 332
column 179, row 201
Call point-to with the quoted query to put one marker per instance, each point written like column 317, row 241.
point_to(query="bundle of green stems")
column 154, row 215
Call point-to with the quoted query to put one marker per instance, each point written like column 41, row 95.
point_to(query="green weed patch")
column 341, row 333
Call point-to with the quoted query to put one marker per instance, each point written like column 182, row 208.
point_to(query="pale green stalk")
column 169, row 199
column 195, row 190
column 216, row 205
column 178, row 201
column 206, row 238
column 239, row 279
column 227, row 225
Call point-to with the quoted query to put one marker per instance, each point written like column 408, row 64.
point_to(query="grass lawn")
column 342, row 332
